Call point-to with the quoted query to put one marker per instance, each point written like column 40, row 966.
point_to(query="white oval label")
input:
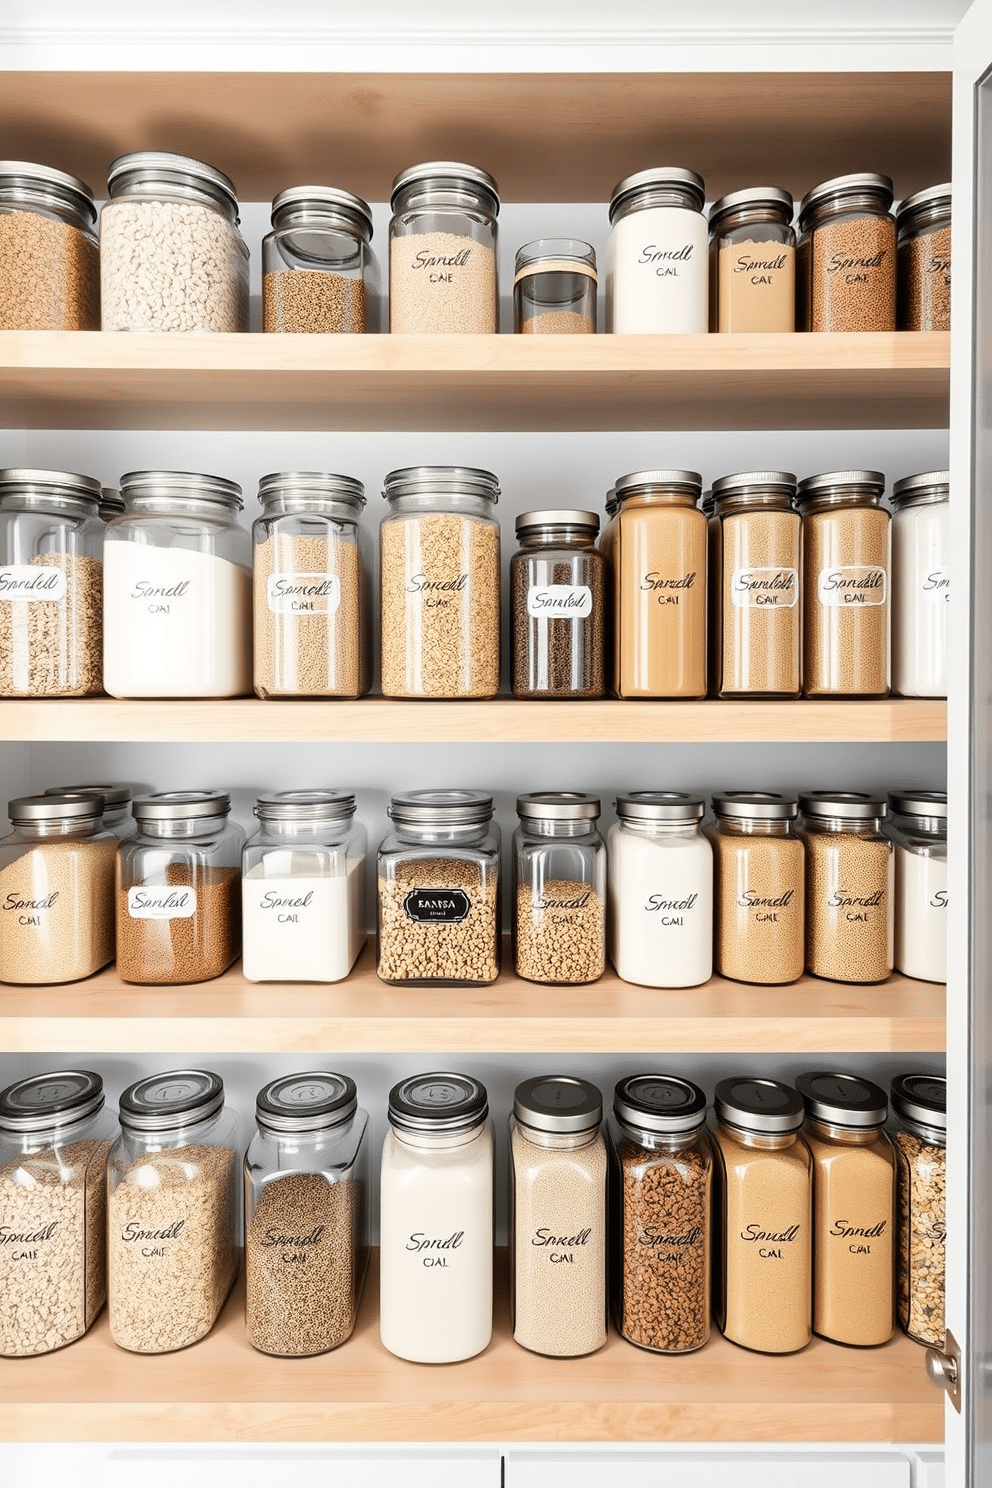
column 161, row 903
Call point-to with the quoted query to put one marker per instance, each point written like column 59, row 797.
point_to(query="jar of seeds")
column 117, row 817
column 846, row 272
column 559, row 888
column 850, row 879
column 442, row 250
column 558, row 599
column 923, row 228
column 918, row 827
column 921, row 583
column 319, row 275
column 49, row 251
column 554, row 288
column 656, row 266
column 758, row 888
column 919, row 1134
column 752, row 261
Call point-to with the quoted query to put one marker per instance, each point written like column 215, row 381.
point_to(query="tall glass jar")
column 436, row 1220
column 923, row 228
column 177, row 589
column 312, row 587
column 846, row 272
column 179, row 889
column 558, row 605
column 759, row 888
column 51, row 581
column 554, row 288
column 303, row 888
column 557, row 1225
column 921, row 583
column 439, row 917
column 442, row 250
column 319, row 275
column 559, row 888
column 172, row 1211
column 656, row 263
column 306, row 1214
column 919, row 1134
column 54, row 1139
column 850, row 879
column 753, row 261
column 117, row 817
column 439, row 581
column 48, row 246
column 918, row 827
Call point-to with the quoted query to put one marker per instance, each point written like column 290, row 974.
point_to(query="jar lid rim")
column 647, row 805
column 310, row 1101
column 687, row 480
column 920, row 1097
column 755, row 805
column 61, row 1097
column 558, row 1103
column 306, row 805
column 442, row 1102
column 459, row 807
column 852, row 805
column 929, row 196
column 181, row 805
column 559, row 806
column 909, row 486
column 112, row 795
column 565, row 517
column 659, row 1103
column 138, row 162
column 322, row 196
column 857, row 184
column 160, row 1102
column 758, row 1104
column 59, row 482
column 415, row 480
column 726, row 485
column 67, row 806
column 909, row 801
column 842, row 1099
column 48, row 176
column 751, row 196
column 456, row 171
column 181, row 484
column 310, row 484
column 658, row 177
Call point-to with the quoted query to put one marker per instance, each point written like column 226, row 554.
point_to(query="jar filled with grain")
column 50, row 275
column 179, row 889
column 921, row 583
column 306, row 1214
column 662, row 1176
column 319, row 275
column 758, row 888
column 117, row 817
column 439, row 581
column 172, row 1211
column 846, row 269
column 54, row 1138
column 657, row 276
column 923, row 228
column 850, row 882
column 753, row 261
column 764, row 1195
column 554, row 288
column 312, row 587
column 919, row 1134
column 558, row 600
column 442, row 250
column 439, row 917
column 559, row 888
column 845, row 584
column 558, row 1239
column 918, row 827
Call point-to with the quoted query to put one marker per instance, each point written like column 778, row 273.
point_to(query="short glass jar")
column 558, row 606
column 656, row 256
column 752, row 261
column 850, row 883
column 49, row 250
column 306, row 1215
column 921, row 583
column 923, row 228
column 179, row 889
column 117, row 817
column 559, row 889
column 554, row 288
column 758, row 888
column 319, row 275
column 919, row 1135
column 442, row 250
column 846, row 269
column 918, row 827
column 172, row 1211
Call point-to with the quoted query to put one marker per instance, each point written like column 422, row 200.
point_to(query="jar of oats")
column 919, row 1134
column 559, row 888
column 846, row 270
column 923, row 226
column 850, row 886
column 319, row 275
column 753, row 261
column 442, row 250
column 49, row 250
column 758, row 888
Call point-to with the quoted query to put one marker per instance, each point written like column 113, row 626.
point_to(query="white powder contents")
column 921, row 592
column 661, row 908
column 921, row 915
column 657, row 272
column 300, row 925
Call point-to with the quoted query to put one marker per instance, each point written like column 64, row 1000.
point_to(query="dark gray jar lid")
column 912, row 802
column 441, row 1103
column 669, row 806
column 755, row 805
column 558, row 1103
column 307, row 1102
column 306, row 805
column 759, row 1105
column 451, row 808
column 55, row 1099
column 83, row 806
column 659, row 1104
column 558, row 806
column 843, row 1100
column 921, row 1098
column 855, row 806
column 176, row 1098
column 181, row 805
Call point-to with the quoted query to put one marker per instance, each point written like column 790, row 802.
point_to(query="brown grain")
column 312, row 302
column 846, row 646
column 560, row 932
column 853, row 1236
column 558, row 656
column 925, row 282
column 849, row 905
column 56, row 906
column 318, row 654
column 853, row 275
column 54, row 648
column 412, row 951
column 190, row 949
column 759, row 903
column 49, row 275
column 760, row 612
column 440, row 283
column 558, row 323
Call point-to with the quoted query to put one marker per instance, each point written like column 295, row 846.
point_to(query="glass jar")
column 54, row 1140
column 921, row 583
column 661, row 1213
column 559, row 889
column 923, row 229
column 919, row 1134
column 764, row 1182
column 854, row 1204
column 177, row 589
column 179, row 889
column 319, row 275
column 558, row 604
column 442, row 250
column 845, row 584
column 752, row 261
column 661, row 890
column 48, row 246
column 117, row 818
column 439, row 580
column 557, row 1217
column 172, row 1211
column 759, row 888
column 171, row 255
column 846, row 269
column 439, row 914
column 919, row 830
column 850, row 878
column 306, row 1215
column 656, row 268
column 312, row 586
column 303, row 888
column 51, row 578
column 659, row 586
column 754, row 560
column 554, row 288
column 436, row 1220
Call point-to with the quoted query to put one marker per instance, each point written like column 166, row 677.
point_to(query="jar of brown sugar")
column 753, row 261
column 850, row 886
column 554, row 288
column 923, row 227
column 50, row 279
column 559, row 888
column 846, row 273
column 442, row 250
column 759, row 888
column 319, row 275
column 919, row 1134
column 558, row 599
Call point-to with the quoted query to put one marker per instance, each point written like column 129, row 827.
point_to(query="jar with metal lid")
column 558, row 599
column 171, row 255
column 117, row 816
column 557, row 1225
column 439, row 582
column 319, row 275
column 850, row 882
column 303, row 888
column 442, row 250
column 846, row 270
column 172, row 1211
column 918, row 827
column 845, row 584
column 921, row 583
column 436, row 1220
column 752, row 261
column 179, row 889
column 312, row 586
column 661, row 1214
column 919, row 1135
column 554, row 288
column 177, row 589
column 306, row 1214
column 559, row 888
column 854, row 1208
column 764, row 1195
column 923, row 230
column 758, row 888
column 656, row 265
column 661, row 890
column 111, row 503
column 51, row 578
column 48, row 245
column 439, row 902
column 54, row 1138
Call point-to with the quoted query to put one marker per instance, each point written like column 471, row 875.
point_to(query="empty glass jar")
column 559, row 888
column 442, row 250
column 656, row 256
column 846, row 273
column 918, row 827
column 558, row 599
column 554, row 288
column 319, row 275
column 753, row 261
column 49, row 250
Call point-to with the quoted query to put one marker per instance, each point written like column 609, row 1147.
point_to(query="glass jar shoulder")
column 469, row 1154
column 746, row 1153
column 865, row 1149
column 786, row 848
column 69, row 1156
column 691, row 1156
column 403, row 847
column 270, row 856
column 147, row 859
column 686, row 840
column 173, row 1158
column 330, row 1153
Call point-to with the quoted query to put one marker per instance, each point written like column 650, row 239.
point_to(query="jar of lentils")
column 319, row 275
column 919, row 1134
column 554, row 288
column 850, row 882
column 921, row 583
column 847, row 256
column 48, row 246
column 558, row 599
column 753, row 261
column 918, row 827
column 923, row 227
column 559, row 886
column 442, row 250
column 758, row 888
column 657, row 275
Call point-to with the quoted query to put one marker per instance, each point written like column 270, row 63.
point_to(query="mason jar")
column 919, row 1135
column 660, row 890
column 558, row 606
column 117, row 817
column 918, row 827
column 49, row 249
column 559, row 888
column 921, row 583
column 656, row 255
column 442, row 250
column 846, row 272
column 923, row 230
column 554, row 288
column 850, row 879
column 319, row 275
column 752, row 261
column 758, row 888
column 754, row 567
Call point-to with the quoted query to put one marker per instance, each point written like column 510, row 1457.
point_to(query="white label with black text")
column 161, row 903
column 28, row 581
column 303, row 593
column 752, row 588
column 852, row 584
column 568, row 601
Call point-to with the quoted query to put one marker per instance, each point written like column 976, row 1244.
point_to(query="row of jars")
column 792, row 1213
column 171, row 258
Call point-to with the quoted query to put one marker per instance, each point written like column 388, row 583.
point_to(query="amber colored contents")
column 660, row 560
column 846, row 602
column 756, row 286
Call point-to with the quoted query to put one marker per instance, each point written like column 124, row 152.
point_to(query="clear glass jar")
column 846, row 259
column 179, row 889
column 49, row 250
column 758, row 889
column 752, row 261
column 172, row 1211
column 558, row 606
column 921, row 583
column 557, row 1239
column 111, row 503
column 303, row 888
column 177, row 589
column 51, row 578
column 442, row 250
column 439, row 580
column 661, row 1213
column 919, row 1135
column 918, row 827
column 554, row 288
column 923, row 230
column 754, row 566
column 306, row 1215
column 845, row 584
column 117, row 817
column 54, row 1138
column 171, row 255
column 436, row 1220
column 559, row 889
column 319, row 275
column 656, row 259
column 312, row 586
column 850, row 882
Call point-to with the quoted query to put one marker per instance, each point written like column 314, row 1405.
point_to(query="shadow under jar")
column 850, row 882
column 319, row 275
column 752, row 261
column 758, row 888
column 919, row 1135
column 50, row 274
column 554, row 288
column 923, row 225
column 846, row 269
column 442, row 251
column 559, row 889
column 558, row 599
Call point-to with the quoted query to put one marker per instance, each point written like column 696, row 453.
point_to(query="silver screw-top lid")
column 83, row 806
column 306, row 805
column 752, row 198
column 33, row 184
column 450, row 175
column 759, row 1105
column 644, row 480
column 755, row 483
column 911, row 802
column 181, row 805
column 159, row 167
column 558, row 1103
column 925, row 200
column 441, row 480
column 921, row 1098
column 180, row 484
column 755, row 805
column 311, row 486
column 612, row 501
column 307, row 1102
column 658, row 178
column 177, row 1098
column 442, row 808
column 322, row 204
column 442, row 1103
column 666, row 806
column 111, row 503
column 530, row 521
column 862, row 183
column 659, row 1104
column 558, row 806
column 843, row 1100
column 854, row 806
column 51, row 483
column 836, row 486
column 56, row 1099
column 113, row 795
column 917, row 490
